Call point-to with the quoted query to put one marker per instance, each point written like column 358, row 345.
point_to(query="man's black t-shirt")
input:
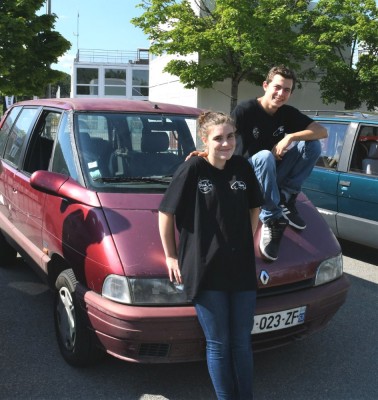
column 211, row 207
column 260, row 130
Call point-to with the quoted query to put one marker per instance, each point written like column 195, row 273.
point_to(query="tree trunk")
column 234, row 93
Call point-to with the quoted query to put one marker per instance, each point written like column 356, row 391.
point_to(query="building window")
column 115, row 82
column 87, row 81
column 140, row 82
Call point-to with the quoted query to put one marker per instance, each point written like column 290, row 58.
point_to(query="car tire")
column 76, row 342
column 8, row 253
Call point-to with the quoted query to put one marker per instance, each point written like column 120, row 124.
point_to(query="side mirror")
column 60, row 185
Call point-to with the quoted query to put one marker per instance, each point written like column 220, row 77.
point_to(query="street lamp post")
column 48, row 12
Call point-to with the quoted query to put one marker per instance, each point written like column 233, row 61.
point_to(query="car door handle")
column 14, row 190
column 344, row 183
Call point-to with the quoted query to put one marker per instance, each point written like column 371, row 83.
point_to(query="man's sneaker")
column 271, row 235
column 290, row 212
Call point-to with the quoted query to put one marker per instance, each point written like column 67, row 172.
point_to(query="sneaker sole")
column 292, row 223
column 266, row 255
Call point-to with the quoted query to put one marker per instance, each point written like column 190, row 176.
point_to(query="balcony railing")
column 141, row 56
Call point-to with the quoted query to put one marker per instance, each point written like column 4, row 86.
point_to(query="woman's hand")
column 196, row 153
column 167, row 235
column 173, row 270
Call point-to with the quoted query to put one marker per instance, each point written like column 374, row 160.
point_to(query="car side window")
column 63, row 158
column 365, row 153
column 41, row 145
column 332, row 145
column 19, row 133
column 6, row 127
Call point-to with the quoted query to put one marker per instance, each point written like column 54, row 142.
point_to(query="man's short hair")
column 284, row 71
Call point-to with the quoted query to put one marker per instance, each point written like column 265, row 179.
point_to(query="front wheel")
column 76, row 341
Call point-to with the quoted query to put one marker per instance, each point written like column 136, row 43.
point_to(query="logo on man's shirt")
column 279, row 131
column 239, row 185
column 205, row 186
column 256, row 133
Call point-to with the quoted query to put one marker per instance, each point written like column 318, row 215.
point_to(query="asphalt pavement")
column 339, row 363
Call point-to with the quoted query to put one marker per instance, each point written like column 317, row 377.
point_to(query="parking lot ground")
column 339, row 363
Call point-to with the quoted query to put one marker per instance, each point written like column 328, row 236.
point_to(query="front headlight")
column 116, row 288
column 329, row 270
column 143, row 291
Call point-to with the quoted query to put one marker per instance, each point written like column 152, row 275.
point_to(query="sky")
column 102, row 24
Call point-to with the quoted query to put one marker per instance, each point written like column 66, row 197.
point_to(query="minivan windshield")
column 132, row 150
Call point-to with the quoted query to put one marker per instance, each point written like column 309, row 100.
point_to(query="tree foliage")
column 28, row 46
column 239, row 40
column 335, row 31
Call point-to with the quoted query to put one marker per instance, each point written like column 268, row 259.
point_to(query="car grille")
column 271, row 340
column 282, row 289
column 154, row 350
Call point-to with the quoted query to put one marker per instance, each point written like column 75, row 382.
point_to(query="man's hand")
column 196, row 153
column 280, row 149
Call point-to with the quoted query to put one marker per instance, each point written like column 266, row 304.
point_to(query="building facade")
column 111, row 73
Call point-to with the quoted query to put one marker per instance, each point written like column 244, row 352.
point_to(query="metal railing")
column 140, row 56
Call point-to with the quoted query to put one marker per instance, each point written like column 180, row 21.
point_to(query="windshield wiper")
column 136, row 179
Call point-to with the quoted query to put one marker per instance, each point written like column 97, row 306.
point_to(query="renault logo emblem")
column 264, row 277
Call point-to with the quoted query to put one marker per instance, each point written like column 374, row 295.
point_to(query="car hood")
column 300, row 253
column 133, row 222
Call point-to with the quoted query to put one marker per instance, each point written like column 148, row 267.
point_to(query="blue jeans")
column 285, row 176
column 227, row 321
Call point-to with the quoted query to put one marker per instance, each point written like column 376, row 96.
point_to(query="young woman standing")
column 215, row 202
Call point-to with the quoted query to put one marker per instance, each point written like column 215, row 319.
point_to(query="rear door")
column 14, row 151
column 39, row 129
column 357, row 218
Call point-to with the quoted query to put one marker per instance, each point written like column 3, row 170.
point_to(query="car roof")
column 101, row 104
column 342, row 115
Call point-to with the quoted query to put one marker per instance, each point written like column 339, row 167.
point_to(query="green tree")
column 64, row 84
column 335, row 31
column 236, row 40
column 28, row 46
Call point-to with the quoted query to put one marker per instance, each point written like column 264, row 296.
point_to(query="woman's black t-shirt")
column 211, row 207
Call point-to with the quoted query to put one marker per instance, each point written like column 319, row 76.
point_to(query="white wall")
column 167, row 88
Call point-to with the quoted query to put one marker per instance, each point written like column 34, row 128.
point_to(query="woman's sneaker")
column 291, row 214
column 271, row 235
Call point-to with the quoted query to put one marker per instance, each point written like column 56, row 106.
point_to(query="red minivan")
column 80, row 186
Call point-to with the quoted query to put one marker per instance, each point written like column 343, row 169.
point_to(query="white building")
column 111, row 73
column 167, row 88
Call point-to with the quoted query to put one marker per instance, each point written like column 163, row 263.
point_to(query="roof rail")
column 339, row 112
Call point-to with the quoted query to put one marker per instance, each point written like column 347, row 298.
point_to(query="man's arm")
column 314, row 131
column 254, row 215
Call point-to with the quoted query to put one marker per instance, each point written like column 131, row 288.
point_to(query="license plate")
column 279, row 320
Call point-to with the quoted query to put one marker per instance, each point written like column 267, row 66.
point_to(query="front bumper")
column 173, row 334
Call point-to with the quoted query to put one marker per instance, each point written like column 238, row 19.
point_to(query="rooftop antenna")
column 77, row 33
column 48, row 7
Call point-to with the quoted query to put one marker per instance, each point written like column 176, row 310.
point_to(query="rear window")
column 18, row 134
column 6, row 127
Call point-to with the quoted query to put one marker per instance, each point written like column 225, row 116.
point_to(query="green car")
column 344, row 183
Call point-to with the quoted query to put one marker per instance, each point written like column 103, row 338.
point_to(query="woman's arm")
column 254, row 214
column 167, row 235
